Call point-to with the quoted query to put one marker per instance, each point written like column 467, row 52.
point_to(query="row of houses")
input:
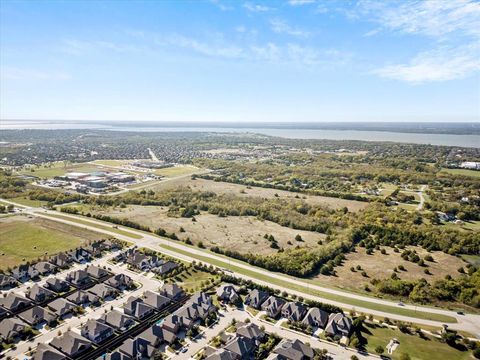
column 25, row 272
column 333, row 323
column 135, row 310
column 46, row 305
column 143, row 262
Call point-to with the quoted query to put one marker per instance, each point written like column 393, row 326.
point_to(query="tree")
column 404, row 356
column 379, row 350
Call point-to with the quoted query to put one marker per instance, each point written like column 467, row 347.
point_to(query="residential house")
column 273, row 306
column 96, row 331
column 157, row 335
column 14, row 302
column 11, row 328
column 80, row 255
column 172, row 323
column 47, row 352
column 7, row 282
column 137, row 348
column 3, row 313
column 24, row 272
column 250, row 331
column 164, row 267
column 256, row 298
column 61, row 260
column 294, row 350
column 155, row 300
column 82, row 297
column 227, row 293
column 57, row 285
column 96, row 272
column 316, row 318
column 172, row 291
column 44, row 268
column 117, row 320
column 338, row 324
column 61, row 307
column 141, row 261
column 39, row 294
column 78, row 278
column 222, row 354
column 243, row 347
column 103, row 291
column 120, row 281
column 37, row 315
column 71, row 344
column 138, row 308
column 293, row 311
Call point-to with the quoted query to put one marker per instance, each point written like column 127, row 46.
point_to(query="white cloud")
column 15, row 73
column 206, row 48
column 453, row 26
column 300, row 2
column 438, row 65
column 221, row 5
column 281, row 26
column 432, row 18
column 256, row 7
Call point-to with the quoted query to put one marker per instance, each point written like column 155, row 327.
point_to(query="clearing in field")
column 240, row 233
column 58, row 169
column 178, row 170
column 463, row 172
column 242, row 190
column 25, row 239
column 381, row 266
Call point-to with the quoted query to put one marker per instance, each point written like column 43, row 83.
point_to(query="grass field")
column 59, row 169
column 177, row 171
column 107, row 226
column 464, row 172
column 242, row 190
column 22, row 200
column 25, row 239
column 239, row 233
column 191, row 280
column 417, row 348
column 230, row 264
column 112, row 162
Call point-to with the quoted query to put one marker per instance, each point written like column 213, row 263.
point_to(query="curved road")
column 468, row 322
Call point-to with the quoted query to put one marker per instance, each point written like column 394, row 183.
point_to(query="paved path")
column 152, row 155
column 468, row 322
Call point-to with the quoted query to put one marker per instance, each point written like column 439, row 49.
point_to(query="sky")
column 240, row 61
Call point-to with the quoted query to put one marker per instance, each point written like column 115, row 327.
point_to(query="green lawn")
column 472, row 259
column 22, row 240
column 192, row 279
column 22, row 200
column 464, row 172
column 59, row 169
column 176, row 171
column 230, row 264
column 107, row 226
column 112, row 162
column 418, row 348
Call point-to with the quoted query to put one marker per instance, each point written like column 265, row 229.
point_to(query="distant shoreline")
column 451, row 128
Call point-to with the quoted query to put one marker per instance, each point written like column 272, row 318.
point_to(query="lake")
column 415, row 138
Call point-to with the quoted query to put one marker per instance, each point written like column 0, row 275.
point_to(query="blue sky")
column 297, row 60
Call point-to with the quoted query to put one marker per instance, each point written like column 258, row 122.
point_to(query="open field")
column 192, row 280
column 229, row 263
column 242, row 190
column 464, row 172
column 22, row 200
column 381, row 266
column 465, row 226
column 177, row 171
column 58, row 169
column 416, row 347
column 24, row 239
column 112, row 162
column 243, row 234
